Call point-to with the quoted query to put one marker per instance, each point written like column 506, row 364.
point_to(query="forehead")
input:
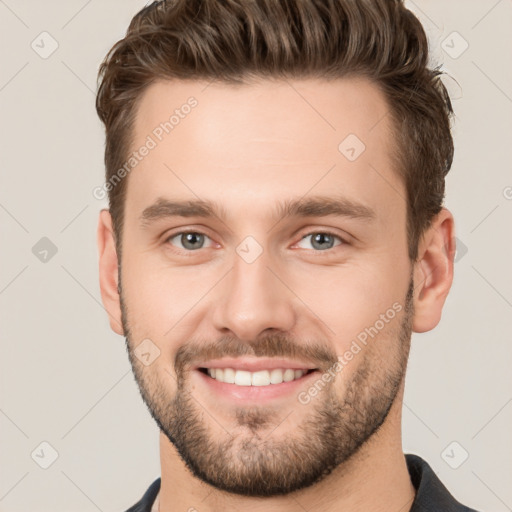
column 279, row 111
column 263, row 140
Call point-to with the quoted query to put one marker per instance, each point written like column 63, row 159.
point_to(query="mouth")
column 255, row 380
column 260, row 378
column 261, row 386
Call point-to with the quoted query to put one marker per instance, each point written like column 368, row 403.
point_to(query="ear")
column 108, row 269
column 433, row 271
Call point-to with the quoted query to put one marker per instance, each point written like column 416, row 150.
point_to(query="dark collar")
column 431, row 494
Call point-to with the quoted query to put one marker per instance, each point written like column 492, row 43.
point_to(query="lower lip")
column 256, row 393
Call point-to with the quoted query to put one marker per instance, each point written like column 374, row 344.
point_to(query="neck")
column 376, row 478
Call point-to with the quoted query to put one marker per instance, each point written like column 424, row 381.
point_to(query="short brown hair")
column 236, row 40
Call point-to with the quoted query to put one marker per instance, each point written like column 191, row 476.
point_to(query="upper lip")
column 254, row 364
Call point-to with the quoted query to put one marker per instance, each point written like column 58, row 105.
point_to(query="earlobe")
column 108, row 271
column 433, row 271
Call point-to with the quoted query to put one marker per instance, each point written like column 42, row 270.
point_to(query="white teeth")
column 259, row 378
column 288, row 375
column 276, row 376
column 229, row 375
column 242, row 378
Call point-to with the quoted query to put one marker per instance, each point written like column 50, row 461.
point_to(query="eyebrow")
column 312, row 206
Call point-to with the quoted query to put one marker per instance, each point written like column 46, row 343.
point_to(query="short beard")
column 251, row 465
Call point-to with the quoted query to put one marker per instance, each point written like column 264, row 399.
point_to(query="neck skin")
column 375, row 478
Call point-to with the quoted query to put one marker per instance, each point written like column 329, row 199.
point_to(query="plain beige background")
column 65, row 377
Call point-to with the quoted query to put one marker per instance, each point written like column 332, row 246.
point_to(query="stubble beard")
column 257, row 458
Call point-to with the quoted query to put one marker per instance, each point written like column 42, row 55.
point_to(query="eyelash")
column 316, row 232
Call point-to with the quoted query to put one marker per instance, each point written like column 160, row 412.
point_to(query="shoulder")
column 431, row 494
column 146, row 502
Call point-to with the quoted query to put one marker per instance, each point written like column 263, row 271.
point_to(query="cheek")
column 363, row 310
column 159, row 295
column 350, row 298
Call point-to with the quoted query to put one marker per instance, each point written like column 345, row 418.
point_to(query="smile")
column 258, row 378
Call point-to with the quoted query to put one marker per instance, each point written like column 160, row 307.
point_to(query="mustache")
column 276, row 345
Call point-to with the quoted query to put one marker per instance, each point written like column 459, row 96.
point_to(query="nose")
column 253, row 298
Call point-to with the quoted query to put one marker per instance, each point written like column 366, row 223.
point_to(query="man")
column 276, row 232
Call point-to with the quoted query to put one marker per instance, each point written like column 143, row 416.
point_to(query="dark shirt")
column 431, row 494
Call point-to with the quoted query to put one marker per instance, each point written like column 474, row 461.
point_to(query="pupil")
column 191, row 239
column 321, row 238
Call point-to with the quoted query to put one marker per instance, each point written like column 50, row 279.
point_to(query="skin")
column 250, row 147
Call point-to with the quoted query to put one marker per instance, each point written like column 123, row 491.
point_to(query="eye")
column 189, row 240
column 322, row 241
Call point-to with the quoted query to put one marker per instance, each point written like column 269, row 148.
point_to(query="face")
column 262, row 247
